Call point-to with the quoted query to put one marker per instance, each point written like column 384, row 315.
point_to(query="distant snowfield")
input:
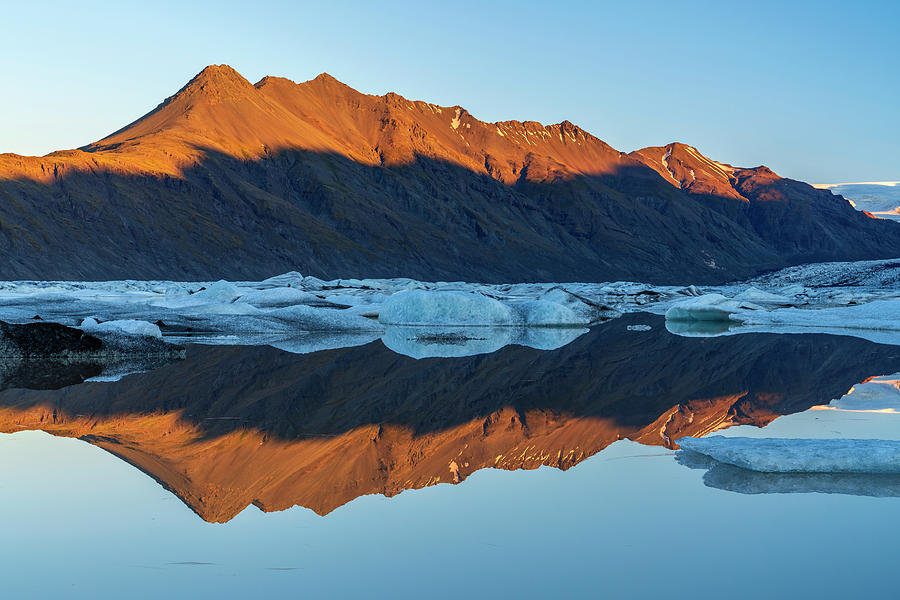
column 442, row 319
column 881, row 198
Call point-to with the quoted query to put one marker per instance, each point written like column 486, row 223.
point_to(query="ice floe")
column 776, row 455
column 861, row 299
column 420, row 307
column 123, row 326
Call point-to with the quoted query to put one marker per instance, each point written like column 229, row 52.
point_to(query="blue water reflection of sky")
column 628, row 522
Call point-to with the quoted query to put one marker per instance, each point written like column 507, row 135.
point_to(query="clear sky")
column 810, row 89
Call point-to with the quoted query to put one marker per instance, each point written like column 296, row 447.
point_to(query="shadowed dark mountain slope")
column 234, row 180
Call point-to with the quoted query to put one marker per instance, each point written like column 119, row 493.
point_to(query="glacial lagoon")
column 527, row 472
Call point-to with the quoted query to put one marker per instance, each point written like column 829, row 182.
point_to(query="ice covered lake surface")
column 458, row 440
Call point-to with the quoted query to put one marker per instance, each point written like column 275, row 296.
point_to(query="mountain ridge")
column 363, row 185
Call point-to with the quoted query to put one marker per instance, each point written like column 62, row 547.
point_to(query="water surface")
column 360, row 471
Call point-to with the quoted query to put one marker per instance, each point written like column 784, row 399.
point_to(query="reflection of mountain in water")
column 230, row 426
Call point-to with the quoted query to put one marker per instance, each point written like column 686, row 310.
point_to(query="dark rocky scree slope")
column 227, row 179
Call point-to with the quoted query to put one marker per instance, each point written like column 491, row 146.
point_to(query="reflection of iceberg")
column 548, row 338
column 774, row 455
column 743, row 481
column 878, row 394
column 698, row 328
column 316, row 341
column 448, row 342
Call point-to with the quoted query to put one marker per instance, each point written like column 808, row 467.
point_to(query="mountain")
column 228, row 179
column 230, row 426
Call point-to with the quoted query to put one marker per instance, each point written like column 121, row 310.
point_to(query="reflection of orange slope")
column 228, row 427
column 219, row 477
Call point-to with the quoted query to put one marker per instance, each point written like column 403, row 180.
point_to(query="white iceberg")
column 877, row 315
column 220, row 292
column 542, row 313
column 757, row 296
column 471, row 309
column 775, row 455
column 131, row 327
column 420, row 307
column 277, row 297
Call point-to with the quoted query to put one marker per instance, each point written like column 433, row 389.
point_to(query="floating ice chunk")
column 757, row 296
column 691, row 290
column 639, row 328
column 278, row 297
column 877, row 315
column 220, row 292
column 292, row 279
column 542, row 313
column 232, row 308
column 130, row 327
column 773, row 455
column 708, row 307
column 307, row 318
column 587, row 310
column 420, row 307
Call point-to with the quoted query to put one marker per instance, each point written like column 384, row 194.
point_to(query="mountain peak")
column 327, row 82
column 217, row 76
column 324, row 77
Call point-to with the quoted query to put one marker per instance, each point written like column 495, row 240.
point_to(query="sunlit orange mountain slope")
column 238, row 180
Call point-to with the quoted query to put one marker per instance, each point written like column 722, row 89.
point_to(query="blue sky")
column 807, row 88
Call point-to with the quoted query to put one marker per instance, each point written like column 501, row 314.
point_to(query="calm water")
column 521, row 473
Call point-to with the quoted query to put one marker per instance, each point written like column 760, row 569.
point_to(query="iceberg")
column 420, row 307
column 472, row 309
column 132, row 327
column 708, row 307
column 541, row 313
column 759, row 297
column 307, row 318
column 876, row 315
column 277, row 297
column 220, row 292
column 776, row 455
